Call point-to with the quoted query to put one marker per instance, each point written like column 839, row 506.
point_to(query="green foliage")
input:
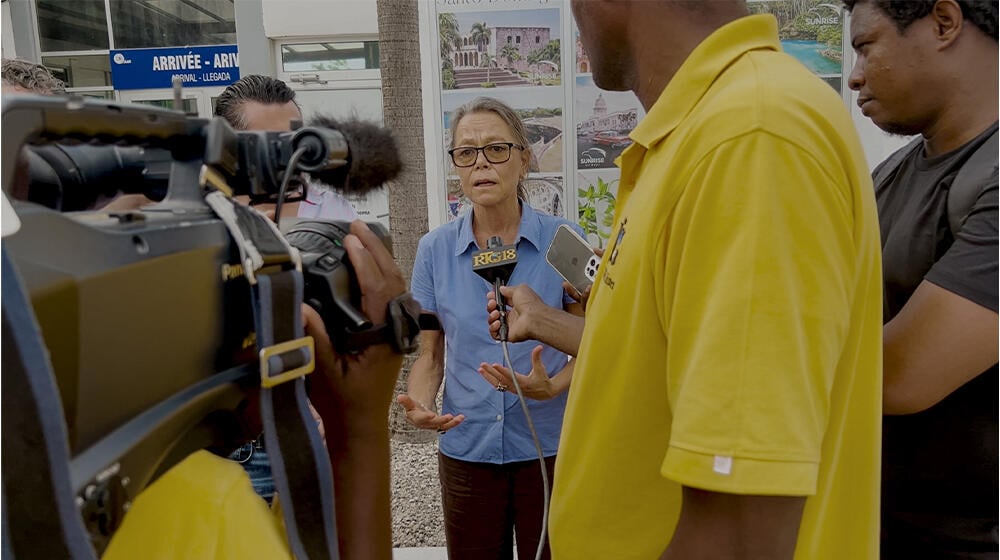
column 510, row 53
column 588, row 200
column 488, row 85
column 450, row 37
column 830, row 35
column 549, row 52
column 539, row 112
column 448, row 78
column 330, row 65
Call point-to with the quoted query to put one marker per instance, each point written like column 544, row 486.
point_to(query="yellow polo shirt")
column 204, row 508
column 734, row 335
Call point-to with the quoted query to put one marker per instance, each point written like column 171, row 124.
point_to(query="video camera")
column 143, row 323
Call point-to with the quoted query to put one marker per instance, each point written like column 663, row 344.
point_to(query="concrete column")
column 256, row 56
column 23, row 27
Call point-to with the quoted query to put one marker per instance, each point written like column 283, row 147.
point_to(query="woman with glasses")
column 491, row 479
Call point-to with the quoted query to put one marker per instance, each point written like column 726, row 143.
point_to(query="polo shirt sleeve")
column 422, row 279
column 969, row 267
column 761, row 257
column 204, row 507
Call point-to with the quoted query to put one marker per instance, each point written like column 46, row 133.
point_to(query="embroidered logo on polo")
column 614, row 248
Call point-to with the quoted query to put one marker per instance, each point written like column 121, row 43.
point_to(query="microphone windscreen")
column 373, row 157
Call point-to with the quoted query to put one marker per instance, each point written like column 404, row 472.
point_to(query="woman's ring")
column 501, row 387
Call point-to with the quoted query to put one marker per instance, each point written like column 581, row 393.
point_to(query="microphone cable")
column 293, row 162
column 501, row 305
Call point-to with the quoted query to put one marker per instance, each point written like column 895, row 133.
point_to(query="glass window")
column 77, row 25
column 170, row 23
column 312, row 57
column 96, row 94
column 190, row 105
column 85, row 70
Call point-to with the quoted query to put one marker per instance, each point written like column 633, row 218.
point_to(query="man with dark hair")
column 256, row 102
column 929, row 68
column 21, row 76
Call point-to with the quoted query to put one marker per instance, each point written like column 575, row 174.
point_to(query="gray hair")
column 30, row 76
column 507, row 115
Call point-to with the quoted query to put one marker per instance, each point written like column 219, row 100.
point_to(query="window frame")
column 326, row 79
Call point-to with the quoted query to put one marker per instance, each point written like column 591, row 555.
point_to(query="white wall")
column 301, row 18
column 7, row 32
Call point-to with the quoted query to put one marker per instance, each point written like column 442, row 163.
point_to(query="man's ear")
column 948, row 22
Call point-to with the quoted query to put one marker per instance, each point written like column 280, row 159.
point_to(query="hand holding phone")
column 573, row 258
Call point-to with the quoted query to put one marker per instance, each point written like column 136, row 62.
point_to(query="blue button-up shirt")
column 495, row 429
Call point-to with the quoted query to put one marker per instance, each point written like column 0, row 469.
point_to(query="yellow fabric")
column 733, row 336
column 203, row 508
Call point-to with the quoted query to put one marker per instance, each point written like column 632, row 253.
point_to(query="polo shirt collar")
column 530, row 229
column 699, row 71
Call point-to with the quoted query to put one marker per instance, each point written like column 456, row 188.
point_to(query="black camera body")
column 146, row 315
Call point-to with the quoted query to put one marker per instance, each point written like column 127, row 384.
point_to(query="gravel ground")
column 416, row 495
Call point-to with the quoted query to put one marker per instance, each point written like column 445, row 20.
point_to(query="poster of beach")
column 812, row 32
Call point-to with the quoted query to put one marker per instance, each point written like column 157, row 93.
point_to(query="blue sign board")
column 217, row 65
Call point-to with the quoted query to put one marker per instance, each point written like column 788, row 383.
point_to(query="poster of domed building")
column 603, row 122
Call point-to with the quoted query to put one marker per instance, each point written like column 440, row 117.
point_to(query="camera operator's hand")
column 361, row 384
column 352, row 394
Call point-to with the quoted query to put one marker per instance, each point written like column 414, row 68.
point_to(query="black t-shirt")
column 940, row 467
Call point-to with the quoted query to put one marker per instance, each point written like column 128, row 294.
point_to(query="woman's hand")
column 425, row 418
column 536, row 385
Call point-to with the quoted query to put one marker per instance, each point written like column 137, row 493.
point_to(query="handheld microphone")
column 369, row 150
column 495, row 264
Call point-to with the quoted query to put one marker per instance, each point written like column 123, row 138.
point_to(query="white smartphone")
column 573, row 258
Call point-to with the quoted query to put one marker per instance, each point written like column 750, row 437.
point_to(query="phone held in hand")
column 573, row 258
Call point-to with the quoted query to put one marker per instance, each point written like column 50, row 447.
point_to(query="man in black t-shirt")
column 929, row 67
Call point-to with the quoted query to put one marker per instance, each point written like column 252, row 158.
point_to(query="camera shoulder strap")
column 299, row 461
column 40, row 519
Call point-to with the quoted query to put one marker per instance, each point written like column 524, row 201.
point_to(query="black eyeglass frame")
column 482, row 149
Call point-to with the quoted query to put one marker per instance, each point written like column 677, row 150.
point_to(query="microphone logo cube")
column 489, row 259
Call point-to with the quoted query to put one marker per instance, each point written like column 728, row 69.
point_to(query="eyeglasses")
column 498, row 152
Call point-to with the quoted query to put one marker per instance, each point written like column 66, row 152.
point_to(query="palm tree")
column 402, row 110
column 480, row 34
column 510, row 53
column 451, row 38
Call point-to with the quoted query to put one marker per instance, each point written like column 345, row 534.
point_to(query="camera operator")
column 256, row 102
column 22, row 76
column 205, row 503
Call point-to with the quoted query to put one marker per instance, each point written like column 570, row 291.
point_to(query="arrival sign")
column 217, row 65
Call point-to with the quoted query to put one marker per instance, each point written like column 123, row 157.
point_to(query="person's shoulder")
column 771, row 92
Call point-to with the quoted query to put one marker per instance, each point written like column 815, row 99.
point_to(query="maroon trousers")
column 486, row 505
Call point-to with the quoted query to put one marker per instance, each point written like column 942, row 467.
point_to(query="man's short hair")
column 254, row 87
column 30, row 76
column 982, row 13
